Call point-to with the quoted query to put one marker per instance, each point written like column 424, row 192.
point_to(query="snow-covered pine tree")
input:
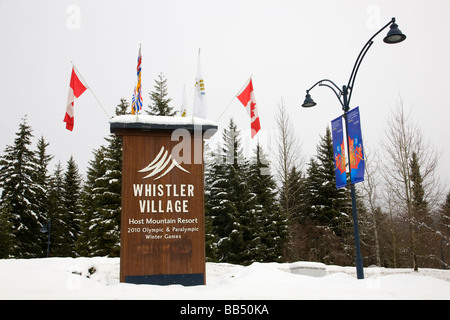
column 216, row 213
column 444, row 232
column 19, row 194
column 335, row 204
column 312, row 186
column 419, row 204
column 7, row 239
column 42, row 180
column 232, row 205
column 57, row 212
column 72, row 184
column 221, row 201
column 90, row 241
column 102, row 197
column 112, row 197
column 270, row 219
column 421, row 223
column 160, row 101
column 296, row 185
column 328, row 212
column 297, row 207
column 249, row 212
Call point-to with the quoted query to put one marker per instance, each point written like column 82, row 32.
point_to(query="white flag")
column 199, row 93
column 183, row 103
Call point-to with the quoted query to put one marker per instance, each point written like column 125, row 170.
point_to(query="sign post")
column 162, row 221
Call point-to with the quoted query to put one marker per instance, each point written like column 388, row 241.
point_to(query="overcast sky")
column 286, row 45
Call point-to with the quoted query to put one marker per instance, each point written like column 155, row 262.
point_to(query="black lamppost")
column 344, row 96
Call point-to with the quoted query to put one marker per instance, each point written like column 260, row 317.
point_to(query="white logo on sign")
column 162, row 161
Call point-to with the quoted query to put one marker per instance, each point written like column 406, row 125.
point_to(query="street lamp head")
column 309, row 102
column 394, row 35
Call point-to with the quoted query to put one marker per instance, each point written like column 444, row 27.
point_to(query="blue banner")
column 357, row 163
column 339, row 152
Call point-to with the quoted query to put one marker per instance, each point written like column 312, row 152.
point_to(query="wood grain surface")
column 162, row 223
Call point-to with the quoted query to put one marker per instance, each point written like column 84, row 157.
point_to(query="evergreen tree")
column 71, row 198
column 7, row 239
column 160, row 101
column 418, row 193
column 328, row 211
column 215, row 192
column 249, row 228
column 91, row 242
column 122, row 107
column 42, row 180
column 57, row 213
column 312, row 239
column 296, row 189
column 335, row 204
column 270, row 219
column 102, row 198
column 420, row 226
column 297, row 207
column 111, row 197
column 231, row 204
column 313, row 185
column 223, row 209
column 444, row 230
column 216, row 214
column 19, row 194
column 247, row 223
column 210, row 240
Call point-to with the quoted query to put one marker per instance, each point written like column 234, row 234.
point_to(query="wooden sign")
column 162, row 222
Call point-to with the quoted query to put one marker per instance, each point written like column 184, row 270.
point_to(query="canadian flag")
column 76, row 89
column 247, row 98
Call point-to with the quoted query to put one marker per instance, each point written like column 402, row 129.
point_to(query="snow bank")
column 98, row 278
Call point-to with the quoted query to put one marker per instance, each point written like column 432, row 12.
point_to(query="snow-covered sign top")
column 148, row 122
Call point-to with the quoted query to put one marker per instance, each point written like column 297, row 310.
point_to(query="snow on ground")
column 98, row 278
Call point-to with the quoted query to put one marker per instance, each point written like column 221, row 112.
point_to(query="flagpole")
column 137, row 111
column 228, row 105
column 137, row 97
column 98, row 101
column 183, row 104
column 193, row 104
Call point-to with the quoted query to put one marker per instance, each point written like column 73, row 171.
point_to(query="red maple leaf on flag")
column 252, row 109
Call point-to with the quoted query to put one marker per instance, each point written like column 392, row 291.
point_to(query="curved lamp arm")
column 360, row 58
column 326, row 83
column 393, row 36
